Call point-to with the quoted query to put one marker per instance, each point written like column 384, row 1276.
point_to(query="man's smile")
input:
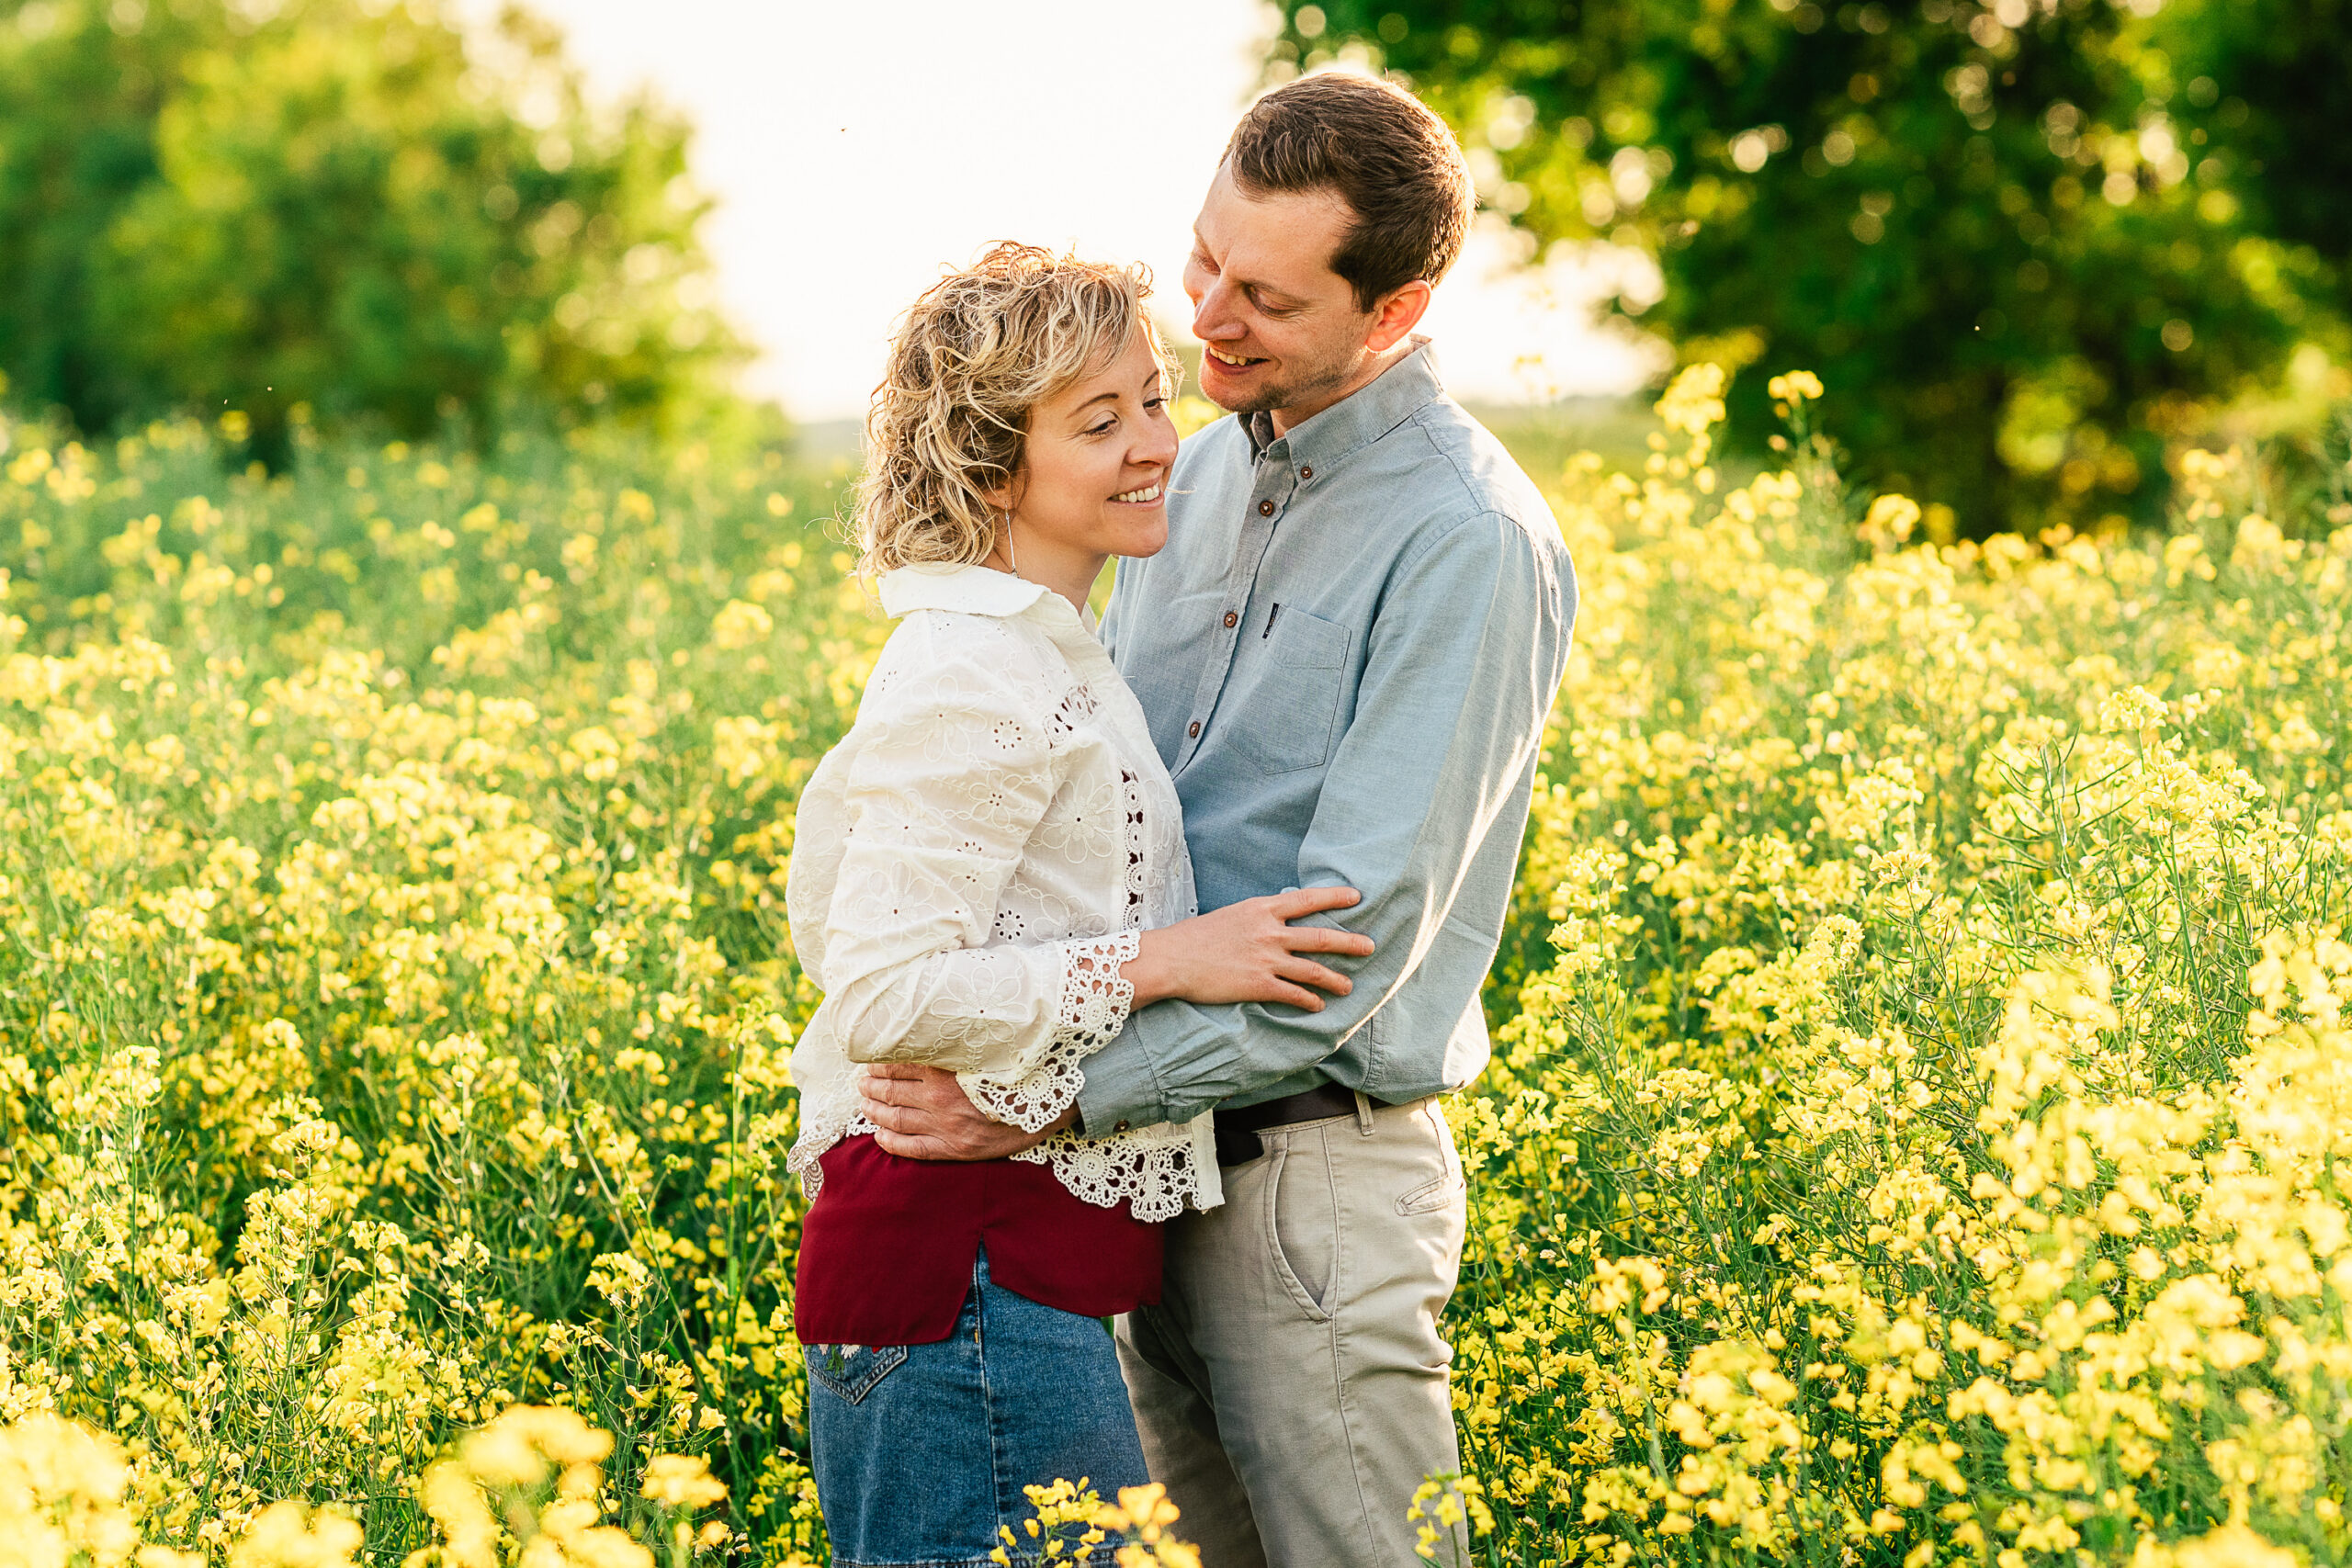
column 1235, row 360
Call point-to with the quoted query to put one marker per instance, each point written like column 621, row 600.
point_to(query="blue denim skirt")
column 921, row 1451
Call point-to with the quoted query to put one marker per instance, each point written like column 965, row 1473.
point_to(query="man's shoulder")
column 1463, row 471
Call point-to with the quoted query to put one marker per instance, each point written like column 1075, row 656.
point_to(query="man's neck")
column 1374, row 366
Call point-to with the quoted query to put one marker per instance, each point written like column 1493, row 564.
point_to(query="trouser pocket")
column 1302, row 1224
column 1441, row 1185
column 850, row 1371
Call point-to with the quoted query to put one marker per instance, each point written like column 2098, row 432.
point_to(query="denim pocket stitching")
column 884, row 1359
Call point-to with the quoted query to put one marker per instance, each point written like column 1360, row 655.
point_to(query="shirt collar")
column 1358, row 419
column 975, row 590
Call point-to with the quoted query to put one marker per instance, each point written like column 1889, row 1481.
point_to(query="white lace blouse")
column 970, row 868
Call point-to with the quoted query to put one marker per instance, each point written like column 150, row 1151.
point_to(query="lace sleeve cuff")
column 1088, row 1014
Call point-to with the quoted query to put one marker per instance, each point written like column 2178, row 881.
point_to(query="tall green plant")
column 347, row 209
column 2022, row 238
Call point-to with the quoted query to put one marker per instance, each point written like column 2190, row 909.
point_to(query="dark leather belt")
column 1237, row 1131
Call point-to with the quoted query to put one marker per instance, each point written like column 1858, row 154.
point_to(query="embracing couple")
column 1044, row 1089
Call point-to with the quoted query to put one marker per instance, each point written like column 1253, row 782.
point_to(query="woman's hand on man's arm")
column 1248, row 951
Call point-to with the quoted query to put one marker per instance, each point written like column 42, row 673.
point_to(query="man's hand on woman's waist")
column 923, row 1114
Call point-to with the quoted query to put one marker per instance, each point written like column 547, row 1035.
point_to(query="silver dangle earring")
column 1011, row 554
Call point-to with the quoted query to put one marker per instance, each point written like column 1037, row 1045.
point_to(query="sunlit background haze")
column 855, row 148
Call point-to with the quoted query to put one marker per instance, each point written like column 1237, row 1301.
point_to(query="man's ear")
column 1398, row 312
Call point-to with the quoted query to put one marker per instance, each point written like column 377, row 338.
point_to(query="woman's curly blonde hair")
column 969, row 362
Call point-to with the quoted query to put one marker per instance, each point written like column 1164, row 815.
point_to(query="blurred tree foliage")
column 340, row 206
column 2024, row 241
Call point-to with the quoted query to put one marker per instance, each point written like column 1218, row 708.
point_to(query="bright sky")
column 856, row 146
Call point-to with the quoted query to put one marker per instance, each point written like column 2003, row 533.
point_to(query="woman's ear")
column 1005, row 497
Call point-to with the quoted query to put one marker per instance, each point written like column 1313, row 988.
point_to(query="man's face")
column 1280, row 329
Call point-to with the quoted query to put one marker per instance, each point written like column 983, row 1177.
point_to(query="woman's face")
column 1094, row 473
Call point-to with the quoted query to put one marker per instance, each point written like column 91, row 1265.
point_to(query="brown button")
column 1121, row 1126
column 1196, row 731
column 1230, row 618
column 1306, row 473
column 1265, row 509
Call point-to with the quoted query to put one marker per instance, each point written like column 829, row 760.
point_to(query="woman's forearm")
column 1154, row 971
column 921, row 1011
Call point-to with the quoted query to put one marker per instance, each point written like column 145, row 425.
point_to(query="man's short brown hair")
column 1385, row 153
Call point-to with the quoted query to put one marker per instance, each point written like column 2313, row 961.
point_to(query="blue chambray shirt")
column 1346, row 654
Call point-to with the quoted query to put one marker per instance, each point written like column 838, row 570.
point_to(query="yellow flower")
column 288, row 1535
column 682, row 1480
column 740, row 623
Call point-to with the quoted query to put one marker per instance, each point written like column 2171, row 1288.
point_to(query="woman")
column 989, row 873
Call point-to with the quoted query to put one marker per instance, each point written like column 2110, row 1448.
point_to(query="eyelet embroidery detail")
column 978, row 858
column 1094, row 1001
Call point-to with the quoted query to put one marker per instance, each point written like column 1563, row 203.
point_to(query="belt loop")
column 1363, row 1115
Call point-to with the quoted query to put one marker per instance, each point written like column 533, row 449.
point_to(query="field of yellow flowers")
column 1914, row 1134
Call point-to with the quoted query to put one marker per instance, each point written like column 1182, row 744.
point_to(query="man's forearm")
column 1458, row 680
column 923, row 1114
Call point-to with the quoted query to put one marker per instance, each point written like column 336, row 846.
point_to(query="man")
column 1346, row 653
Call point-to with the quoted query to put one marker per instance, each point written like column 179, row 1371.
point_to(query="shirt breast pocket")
column 1289, row 713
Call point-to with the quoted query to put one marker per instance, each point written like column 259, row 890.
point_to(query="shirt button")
column 1230, row 618
column 1306, row 473
column 1265, row 509
column 1196, row 731
column 1121, row 1126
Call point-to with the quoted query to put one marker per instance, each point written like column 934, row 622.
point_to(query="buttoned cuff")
column 1121, row 1089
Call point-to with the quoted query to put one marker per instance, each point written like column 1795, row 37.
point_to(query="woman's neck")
column 1070, row 574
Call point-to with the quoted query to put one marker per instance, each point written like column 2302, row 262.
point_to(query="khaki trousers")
column 1291, row 1387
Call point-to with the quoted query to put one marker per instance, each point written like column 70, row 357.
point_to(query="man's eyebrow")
column 1254, row 287
column 1284, row 295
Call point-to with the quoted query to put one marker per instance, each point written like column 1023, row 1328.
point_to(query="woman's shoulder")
column 986, row 660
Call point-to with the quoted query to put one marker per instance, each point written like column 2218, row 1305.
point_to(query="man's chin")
column 1245, row 394
column 1253, row 396
column 1236, row 390
column 1256, row 402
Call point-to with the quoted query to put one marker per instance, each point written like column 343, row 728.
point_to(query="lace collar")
column 977, row 590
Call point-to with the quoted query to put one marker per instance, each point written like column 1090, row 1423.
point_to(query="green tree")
column 343, row 209
column 2021, row 241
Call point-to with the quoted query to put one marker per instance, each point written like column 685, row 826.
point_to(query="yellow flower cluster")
column 1071, row 1523
column 397, row 1003
column 1914, row 1136
column 525, row 1492
column 1921, row 1144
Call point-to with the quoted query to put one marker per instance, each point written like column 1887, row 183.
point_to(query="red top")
column 887, row 1248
